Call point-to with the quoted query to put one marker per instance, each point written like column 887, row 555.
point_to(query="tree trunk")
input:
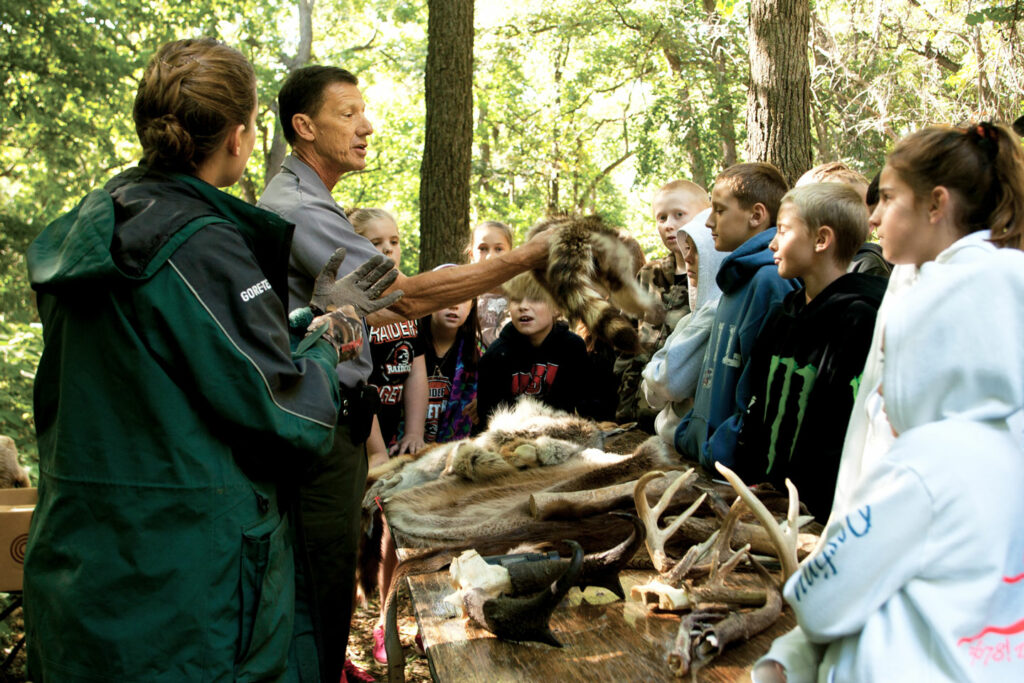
column 448, row 140
column 778, row 101
column 303, row 53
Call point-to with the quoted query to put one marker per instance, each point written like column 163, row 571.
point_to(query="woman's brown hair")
column 192, row 93
column 982, row 164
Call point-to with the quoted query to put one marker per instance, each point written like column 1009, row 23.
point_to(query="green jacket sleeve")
column 211, row 314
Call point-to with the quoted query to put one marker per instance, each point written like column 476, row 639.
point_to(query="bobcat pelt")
column 529, row 434
column 590, row 272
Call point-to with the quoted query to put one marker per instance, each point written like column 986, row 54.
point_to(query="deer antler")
column 783, row 537
column 703, row 634
column 689, row 596
column 656, row 536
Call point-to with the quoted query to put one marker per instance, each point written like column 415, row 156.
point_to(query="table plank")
column 619, row 641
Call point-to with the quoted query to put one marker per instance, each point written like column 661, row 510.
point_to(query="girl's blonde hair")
column 361, row 217
column 497, row 225
column 982, row 164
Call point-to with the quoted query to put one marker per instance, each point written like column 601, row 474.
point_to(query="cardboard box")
column 16, row 507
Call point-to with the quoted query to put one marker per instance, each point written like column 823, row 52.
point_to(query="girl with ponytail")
column 933, row 438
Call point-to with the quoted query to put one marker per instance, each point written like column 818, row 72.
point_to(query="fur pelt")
column 589, row 273
column 491, row 516
column 12, row 474
column 526, row 435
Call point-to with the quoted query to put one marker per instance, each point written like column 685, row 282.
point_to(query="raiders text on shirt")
column 393, row 331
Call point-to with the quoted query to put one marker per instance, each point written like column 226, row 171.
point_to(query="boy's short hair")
column 832, row 172
column 836, row 205
column 689, row 187
column 871, row 197
column 525, row 286
column 755, row 182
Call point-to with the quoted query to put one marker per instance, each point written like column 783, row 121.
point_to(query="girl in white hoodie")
column 948, row 198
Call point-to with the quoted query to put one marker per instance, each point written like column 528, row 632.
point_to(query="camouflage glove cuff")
column 344, row 333
column 361, row 289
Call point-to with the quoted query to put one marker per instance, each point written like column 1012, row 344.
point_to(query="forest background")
column 576, row 105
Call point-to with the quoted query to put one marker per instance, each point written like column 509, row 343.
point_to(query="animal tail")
column 575, row 257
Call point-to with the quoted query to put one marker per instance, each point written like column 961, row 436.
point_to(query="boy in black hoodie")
column 535, row 355
column 808, row 357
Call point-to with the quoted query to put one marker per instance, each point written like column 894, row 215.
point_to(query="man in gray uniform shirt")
column 323, row 117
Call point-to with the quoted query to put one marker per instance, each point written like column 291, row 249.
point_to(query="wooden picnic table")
column 614, row 641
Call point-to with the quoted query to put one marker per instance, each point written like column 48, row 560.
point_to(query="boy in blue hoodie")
column 744, row 205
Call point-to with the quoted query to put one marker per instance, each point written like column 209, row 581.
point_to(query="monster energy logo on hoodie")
column 807, row 374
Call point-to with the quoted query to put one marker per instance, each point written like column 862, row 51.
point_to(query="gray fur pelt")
column 453, row 511
column 527, row 435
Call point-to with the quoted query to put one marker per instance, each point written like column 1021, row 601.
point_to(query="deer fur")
column 494, row 515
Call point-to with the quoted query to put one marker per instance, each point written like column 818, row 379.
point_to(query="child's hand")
column 470, row 412
column 410, row 443
column 768, row 671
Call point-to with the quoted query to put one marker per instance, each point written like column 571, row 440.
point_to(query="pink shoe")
column 379, row 651
column 353, row 674
column 418, row 644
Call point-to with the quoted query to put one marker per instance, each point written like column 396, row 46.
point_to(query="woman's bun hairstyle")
column 191, row 94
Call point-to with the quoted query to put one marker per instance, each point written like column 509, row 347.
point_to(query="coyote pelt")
column 590, row 272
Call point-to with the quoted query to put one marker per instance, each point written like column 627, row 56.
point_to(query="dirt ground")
column 360, row 647
column 360, row 641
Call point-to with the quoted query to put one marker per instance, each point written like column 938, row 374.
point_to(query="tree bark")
column 778, row 100
column 303, row 53
column 448, row 139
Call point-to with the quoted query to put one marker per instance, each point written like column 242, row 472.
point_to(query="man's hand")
column 360, row 289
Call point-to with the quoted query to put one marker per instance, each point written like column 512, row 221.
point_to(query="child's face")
column 532, row 319
column 383, row 235
column 451, row 318
column 793, row 244
column 904, row 231
column 672, row 210
column 731, row 225
column 489, row 241
column 691, row 258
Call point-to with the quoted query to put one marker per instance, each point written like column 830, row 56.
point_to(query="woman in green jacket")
column 169, row 403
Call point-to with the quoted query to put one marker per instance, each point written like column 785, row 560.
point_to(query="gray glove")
column 360, row 289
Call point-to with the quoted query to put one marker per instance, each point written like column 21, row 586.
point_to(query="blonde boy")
column 536, row 355
column 811, row 350
column 674, row 205
column 868, row 258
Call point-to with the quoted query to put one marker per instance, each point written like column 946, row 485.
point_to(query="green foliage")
column 1004, row 14
column 580, row 105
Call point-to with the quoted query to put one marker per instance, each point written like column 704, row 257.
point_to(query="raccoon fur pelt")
column 588, row 266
